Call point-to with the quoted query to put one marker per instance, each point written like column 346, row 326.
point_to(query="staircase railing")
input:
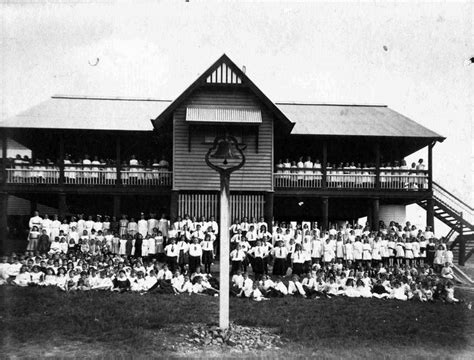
column 453, row 202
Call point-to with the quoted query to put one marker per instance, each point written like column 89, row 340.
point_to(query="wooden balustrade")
column 89, row 175
column 352, row 179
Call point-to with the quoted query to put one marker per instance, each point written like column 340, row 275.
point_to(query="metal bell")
column 225, row 150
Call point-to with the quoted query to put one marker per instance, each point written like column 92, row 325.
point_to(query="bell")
column 225, row 151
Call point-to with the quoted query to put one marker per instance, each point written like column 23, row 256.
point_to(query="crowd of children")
column 88, row 168
column 397, row 174
column 155, row 255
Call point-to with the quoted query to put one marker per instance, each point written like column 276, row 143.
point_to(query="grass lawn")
column 44, row 322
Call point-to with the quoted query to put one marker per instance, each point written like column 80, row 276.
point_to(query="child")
column 33, row 239
column 159, row 244
column 298, row 260
column 43, row 242
column 439, row 258
column 49, row 278
column 23, row 278
column 237, row 256
column 121, row 282
column 295, row 287
column 183, row 257
column 195, row 254
column 36, row 276
column 450, row 293
column 400, row 251
column 207, row 253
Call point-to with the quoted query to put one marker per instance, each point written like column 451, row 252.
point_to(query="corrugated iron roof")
column 224, row 114
column 63, row 112
column 133, row 114
column 352, row 120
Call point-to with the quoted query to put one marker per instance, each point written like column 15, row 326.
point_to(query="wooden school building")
column 61, row 131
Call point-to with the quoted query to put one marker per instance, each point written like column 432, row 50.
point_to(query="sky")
column 411, row 57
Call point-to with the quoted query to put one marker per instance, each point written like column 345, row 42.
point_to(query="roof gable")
column 223, row 72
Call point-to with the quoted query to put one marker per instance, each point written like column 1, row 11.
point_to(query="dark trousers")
column 172, row 262
column 236, row 265
column 279, row 267
column 194, row 263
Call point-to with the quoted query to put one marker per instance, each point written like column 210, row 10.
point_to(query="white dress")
column 376, row 251
column 145, row 247
column 357, row 247
column 366, row 252
column 122, row 249
column 348, row 251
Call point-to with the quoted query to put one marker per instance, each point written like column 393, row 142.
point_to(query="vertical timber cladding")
column 250, row 206
column 190, row 171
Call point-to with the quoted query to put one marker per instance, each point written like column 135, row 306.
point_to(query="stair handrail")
column 453, row 202
column 439, row 187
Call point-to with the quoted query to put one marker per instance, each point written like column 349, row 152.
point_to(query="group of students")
column 88, row 168
column 398, row 283
column 185, row 241
column 83, row 271
column 162, row 256
column 357, row 174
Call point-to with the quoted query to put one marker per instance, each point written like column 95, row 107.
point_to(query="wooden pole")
column 225, row 223
column 174, row 198
column 325, row 164
column 117, row 207
column 224, row 252
column 430, row 166
column 377, row 165
column 462, row 245
column 325, row 211
column 61, row 158
column 118, row 160
column 62, row 205
column 3, row 221
column 375, row 214
column 4, row 156
column 430, row 213
column 268, row 209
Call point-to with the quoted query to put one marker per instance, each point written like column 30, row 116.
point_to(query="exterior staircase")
column 459, row 216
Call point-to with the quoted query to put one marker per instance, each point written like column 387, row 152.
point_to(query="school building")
column 223, row 100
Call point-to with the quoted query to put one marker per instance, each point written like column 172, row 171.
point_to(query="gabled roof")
column 353, row 120
column 89, row 113
column 213, row 75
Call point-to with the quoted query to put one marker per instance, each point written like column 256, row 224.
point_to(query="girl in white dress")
column 145, row 247
column 348, row 252
column 391, row 245
column 409, row 252
column 423, row 244
column 357, row 250
column 329, row 251
column 339, row 249
column 316, row 250
column 366, row 253
column 23, row 278
column 123, row 245
column 376, row 252
column 439, row 259
column 416, row 251
column 384, row 252
column 400, row 251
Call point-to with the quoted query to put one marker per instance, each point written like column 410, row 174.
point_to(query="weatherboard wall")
column 190, row 171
